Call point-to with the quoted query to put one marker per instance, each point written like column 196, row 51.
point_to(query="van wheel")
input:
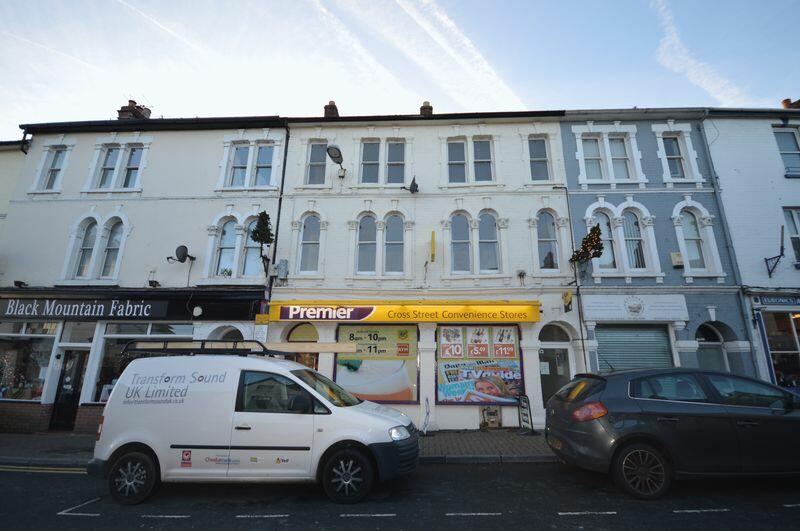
column 133, row 478
column 347, row 476
column 642, row 471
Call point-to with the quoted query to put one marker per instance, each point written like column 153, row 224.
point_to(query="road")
column 436, row 497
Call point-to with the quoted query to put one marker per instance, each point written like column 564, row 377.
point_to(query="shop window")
column 783, row 338
column 384, row 367
column 304, row 333
column 461, row 245
column 78, row 332
column 393, row 255
column 116, row 336
column 309, row 245
column 547, row 241
column 25, row 350
column 478, row 364
column 367, row 245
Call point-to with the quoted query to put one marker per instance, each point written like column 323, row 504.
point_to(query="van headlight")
column 398, row 433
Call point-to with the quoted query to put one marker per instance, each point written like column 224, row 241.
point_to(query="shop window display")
column 783, row 337
column 24, row 356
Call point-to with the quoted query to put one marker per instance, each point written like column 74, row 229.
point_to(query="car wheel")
column 133, row 478
column 642, row 471
column 347, row 476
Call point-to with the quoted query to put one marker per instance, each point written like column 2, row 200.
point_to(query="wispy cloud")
column 47, row 49
column 160, row 26
column 673, row 54
column 423, row 32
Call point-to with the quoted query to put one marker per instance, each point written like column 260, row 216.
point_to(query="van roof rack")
column 140, row 348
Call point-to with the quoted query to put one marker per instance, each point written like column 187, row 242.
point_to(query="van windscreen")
column 335, row 394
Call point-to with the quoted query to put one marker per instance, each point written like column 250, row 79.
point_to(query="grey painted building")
column 665, row 291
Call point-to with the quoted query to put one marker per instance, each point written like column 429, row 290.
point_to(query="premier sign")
column 325, row 313
column 82, row 309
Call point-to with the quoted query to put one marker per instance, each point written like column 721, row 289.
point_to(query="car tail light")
column 99, row 428
column 591, row 411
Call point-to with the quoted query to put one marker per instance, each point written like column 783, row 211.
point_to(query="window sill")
column 248, row 281
column 88, row 282
column 628, row 275
column 95, row 191
column 689, row 276
column 669, row 183
column 313, row 187
column 374, row 186
column 270, row 188
column 480, row 276
column 368, row 277
column 612, row 183
column 491, row 184
column 44, row 192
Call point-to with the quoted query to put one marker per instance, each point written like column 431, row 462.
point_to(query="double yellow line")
column 42, row 469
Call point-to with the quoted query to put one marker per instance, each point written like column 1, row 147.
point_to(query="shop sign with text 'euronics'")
column 428, row 312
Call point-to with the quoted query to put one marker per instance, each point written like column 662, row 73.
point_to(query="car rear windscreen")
column 580, row 388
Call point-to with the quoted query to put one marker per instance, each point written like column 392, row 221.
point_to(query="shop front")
column 778, row 318
column 447, row 364
column 61, row 353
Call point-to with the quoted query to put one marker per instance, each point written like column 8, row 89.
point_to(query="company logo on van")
column 326, row 313
column 166, row 388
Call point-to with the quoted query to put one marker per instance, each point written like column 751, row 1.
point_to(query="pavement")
column 436, row 496
column 63, row 449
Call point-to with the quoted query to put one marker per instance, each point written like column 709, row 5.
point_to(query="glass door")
column 68, row 394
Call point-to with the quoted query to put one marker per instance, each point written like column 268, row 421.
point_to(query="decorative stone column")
column 427, row 377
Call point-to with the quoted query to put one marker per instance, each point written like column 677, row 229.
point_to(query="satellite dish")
column 181, row 254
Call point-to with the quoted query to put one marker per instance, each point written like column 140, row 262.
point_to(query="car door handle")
column 747, row 423
column 667, row 419
column 242, row 427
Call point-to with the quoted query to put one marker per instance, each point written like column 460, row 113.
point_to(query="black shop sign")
column 83, row 309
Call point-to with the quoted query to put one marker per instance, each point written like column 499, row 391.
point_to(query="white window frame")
column 476, row 160
column 464, row 163
column 640, row 239
column 307, row 172
column 624, row 268
column 683, row 132
column 603, row 132
column 469, row 158
column 318, row 242
column 626, row 158
column 376, row 163
column 125, row 143
column 219, row 249
column 496, row 243
column 470, row 246
column 127, row 168
column 45, row 161
column 790, row 171
column 241, row 223
column 247, row 245
column 374, row 243
column 401, row 243
column 705, row 223
column 558, row 223
column 95, row 271
column 232, row 166
column 254, row 140
column 546, row 159
column 112, row 169
column 389, row 163
column 794, row 212
column 107, row 247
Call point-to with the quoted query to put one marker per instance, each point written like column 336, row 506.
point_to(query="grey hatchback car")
column 648, row 427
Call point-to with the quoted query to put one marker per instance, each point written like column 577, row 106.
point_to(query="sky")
column 83, row 59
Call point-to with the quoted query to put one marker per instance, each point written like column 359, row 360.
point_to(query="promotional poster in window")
column 479, row 364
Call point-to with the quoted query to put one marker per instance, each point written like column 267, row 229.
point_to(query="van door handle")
column 667, row 419
column 747, row 423
column 242, row 427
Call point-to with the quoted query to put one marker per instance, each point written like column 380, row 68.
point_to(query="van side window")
column 681, row 387
column 263, row 392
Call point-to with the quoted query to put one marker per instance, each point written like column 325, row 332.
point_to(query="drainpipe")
column 737, row 277
column 270, row 278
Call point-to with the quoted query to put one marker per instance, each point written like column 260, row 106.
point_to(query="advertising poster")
column 384, row 366
column 488, row 372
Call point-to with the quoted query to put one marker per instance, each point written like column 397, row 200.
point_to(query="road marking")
column 66, row 512
column 42, row 469
column 588, row 513
column 695, row 511
column 262, row 516
column 366, row 515
column 473, row 514
column 166, row 516
column 791, row 505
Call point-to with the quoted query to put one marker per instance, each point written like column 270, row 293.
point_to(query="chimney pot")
column 426, row 109
column 786, row 103
column 331, row 111
column 133, row 111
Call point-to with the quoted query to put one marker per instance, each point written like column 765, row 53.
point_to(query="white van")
column 228, row 418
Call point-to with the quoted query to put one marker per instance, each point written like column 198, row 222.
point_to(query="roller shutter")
column 632, row 347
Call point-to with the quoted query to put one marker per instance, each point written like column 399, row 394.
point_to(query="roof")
column 244, row 122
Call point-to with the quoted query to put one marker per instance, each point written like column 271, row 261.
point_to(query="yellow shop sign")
column 407, row 311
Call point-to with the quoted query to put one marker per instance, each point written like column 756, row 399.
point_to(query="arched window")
column 309, row 245
column 461, row 248
column 487, row 243
column 367, row 245
column 633, row 240
column 607, row 259
column 112, row 250
column 252, row 253
column 226, row 247
column 710, row 354
column 393, row 252
column 693, row 240
column 86, row 250
column 553, row 334
column 548, row 243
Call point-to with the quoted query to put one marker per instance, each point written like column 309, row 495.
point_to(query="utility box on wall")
column 490, row 417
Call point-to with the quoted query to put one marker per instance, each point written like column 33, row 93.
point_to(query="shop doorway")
column 553, row 360
column 68, row 393
column 304, row 333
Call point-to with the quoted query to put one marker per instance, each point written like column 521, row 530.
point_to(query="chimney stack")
column 426, row 110
column 133, row 111
column 331, row 111
column 789, row 104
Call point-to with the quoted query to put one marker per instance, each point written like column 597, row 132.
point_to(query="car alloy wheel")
column 133, row 478
column 643, row 471
column 347, row 476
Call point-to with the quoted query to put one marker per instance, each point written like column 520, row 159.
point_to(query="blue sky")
column 82, row 59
